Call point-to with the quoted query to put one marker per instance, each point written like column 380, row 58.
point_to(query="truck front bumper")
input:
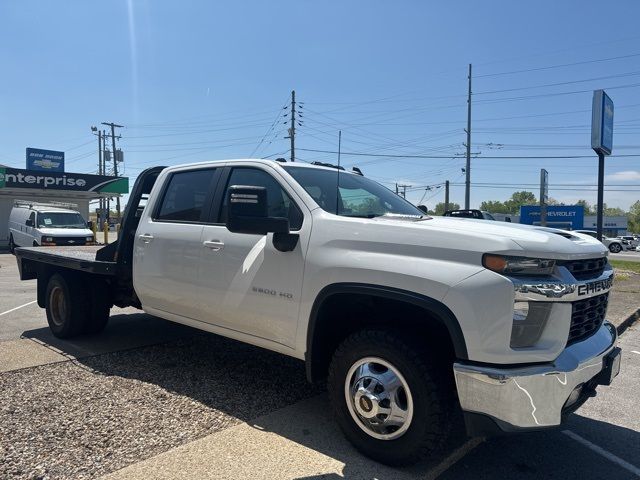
column 536, row 396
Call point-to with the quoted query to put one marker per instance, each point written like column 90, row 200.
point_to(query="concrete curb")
column 627, row 322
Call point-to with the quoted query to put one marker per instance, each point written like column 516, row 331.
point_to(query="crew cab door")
column 168, row 246
column 247, row 284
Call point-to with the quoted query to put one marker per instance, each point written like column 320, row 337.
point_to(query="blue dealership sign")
column 45, row 160
column 570, row 217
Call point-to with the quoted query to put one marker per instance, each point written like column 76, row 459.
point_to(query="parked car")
column 614, row 245
column 407, row 317
column 477, row 214
column 39, row 224
column 632, row 240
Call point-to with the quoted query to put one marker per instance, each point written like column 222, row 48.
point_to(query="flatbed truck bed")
column 99, row 275
column 82, row 258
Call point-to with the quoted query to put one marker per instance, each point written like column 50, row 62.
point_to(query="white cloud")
column 625, row 176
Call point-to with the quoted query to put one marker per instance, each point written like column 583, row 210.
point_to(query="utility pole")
column 396, row 188
column 467, row 184
column 115, row 160
column 292, row 130
column 404, row 189
column 446, row 195
column 102, row 202
column 107, row 201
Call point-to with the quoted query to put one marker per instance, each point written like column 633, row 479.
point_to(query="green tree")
column 511, row 206
column 439, row 209
column 494, row 206
column 519, row 199
column 634, row 217
column 588, row 209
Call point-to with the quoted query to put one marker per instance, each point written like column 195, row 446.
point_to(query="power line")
column 483, row 157
column 549, row 67
column 558, row 84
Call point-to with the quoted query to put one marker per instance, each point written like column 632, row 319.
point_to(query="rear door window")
column 186, row 196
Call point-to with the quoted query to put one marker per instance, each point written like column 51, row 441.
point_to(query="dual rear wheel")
column 75, row 308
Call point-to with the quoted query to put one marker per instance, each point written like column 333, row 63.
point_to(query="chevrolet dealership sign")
column 79, row 182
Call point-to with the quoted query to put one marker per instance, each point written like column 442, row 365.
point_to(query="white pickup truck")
column 409, row 317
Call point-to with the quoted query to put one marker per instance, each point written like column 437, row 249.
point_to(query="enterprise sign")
column 27, row 179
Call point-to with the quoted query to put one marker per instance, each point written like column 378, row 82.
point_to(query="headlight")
column 47, row 239
column 529, row 320
column 518, row 265
column 89, row 239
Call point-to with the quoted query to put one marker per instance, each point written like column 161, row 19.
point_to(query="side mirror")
column 90, row 225
column 247, row 212
column 29, row 222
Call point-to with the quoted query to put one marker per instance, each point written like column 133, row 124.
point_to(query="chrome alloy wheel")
column 58, row 306
column 378, row 398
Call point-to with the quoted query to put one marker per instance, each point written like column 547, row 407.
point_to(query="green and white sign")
column 79, row 182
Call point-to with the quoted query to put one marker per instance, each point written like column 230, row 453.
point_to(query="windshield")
column 356, row 196
column 60, row 220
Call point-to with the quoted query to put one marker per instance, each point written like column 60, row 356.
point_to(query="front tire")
column 66, row 305
column 615, row 248
column 388, row 400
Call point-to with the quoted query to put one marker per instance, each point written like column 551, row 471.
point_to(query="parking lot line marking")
column 17, row 308
column 608, row 455
column 457, row 455
column 635, row 351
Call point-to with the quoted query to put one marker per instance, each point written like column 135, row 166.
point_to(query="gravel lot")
column 85, row 418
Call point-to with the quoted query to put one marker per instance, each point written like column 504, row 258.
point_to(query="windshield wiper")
column 368, row 215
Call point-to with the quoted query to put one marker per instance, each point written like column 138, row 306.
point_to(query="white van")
column 32, row 225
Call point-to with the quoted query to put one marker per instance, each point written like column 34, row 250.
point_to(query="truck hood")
column 66, row 232
column 481, row 235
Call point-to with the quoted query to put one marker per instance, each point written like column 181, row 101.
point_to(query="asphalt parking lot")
column 150, row 399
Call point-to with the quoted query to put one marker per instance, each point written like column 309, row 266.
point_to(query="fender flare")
column 439, row 311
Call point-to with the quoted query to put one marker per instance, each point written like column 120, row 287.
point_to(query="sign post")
column 601, row 143
column 544, row 196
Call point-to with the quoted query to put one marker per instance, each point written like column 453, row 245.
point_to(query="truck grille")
column 69, row 241
column 586, row 317
column 585, row 269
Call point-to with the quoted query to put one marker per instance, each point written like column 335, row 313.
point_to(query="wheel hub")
column 378, row 398
column 366, row 403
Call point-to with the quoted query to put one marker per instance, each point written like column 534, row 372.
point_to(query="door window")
column 279, row 202
column 185, row 196
column 32, row 219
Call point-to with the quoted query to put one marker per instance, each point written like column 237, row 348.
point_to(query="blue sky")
column 199, row 80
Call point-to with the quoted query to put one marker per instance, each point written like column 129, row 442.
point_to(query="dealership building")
column 46, row 182
column 568, row 217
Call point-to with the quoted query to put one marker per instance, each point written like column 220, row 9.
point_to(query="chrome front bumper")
column 533, row 397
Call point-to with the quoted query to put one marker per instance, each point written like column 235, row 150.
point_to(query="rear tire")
column 395, row 370
column 66, row 305
column 615, row 248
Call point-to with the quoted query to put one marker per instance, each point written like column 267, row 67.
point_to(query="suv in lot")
column 408, row 317
column 615, row 245
column 631, row 240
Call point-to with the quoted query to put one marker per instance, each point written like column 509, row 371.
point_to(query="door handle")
column 214, row 245
column 146, row 238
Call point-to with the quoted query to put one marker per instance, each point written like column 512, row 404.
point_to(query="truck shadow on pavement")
column 241, row 383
